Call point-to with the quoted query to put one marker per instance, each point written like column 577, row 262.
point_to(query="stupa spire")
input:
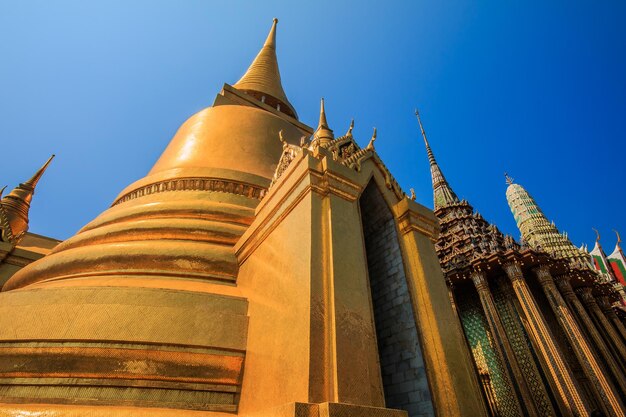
column 442, row 192
column 323, row 133
column 262, row 79
column 15, row 206
column 536, row 230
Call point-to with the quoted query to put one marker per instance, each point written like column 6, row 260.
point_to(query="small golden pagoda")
column 260, row 268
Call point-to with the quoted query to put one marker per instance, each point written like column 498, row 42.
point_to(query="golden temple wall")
column 305, row 249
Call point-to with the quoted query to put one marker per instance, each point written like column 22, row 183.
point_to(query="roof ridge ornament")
column 349, row 132
column 597, row 234
column 370, row 145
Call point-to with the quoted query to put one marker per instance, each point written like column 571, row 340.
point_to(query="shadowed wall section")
column 401, row 361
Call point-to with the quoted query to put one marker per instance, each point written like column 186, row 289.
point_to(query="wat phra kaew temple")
column 263, row 267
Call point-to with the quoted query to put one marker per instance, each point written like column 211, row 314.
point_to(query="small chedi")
column 538, row 319
column 261, row 268
column 19, row 247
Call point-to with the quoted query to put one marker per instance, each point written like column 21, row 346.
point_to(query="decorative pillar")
column 593, row 371
column 502, row 346
column 566, row 289
column 512, row 319
column 607, row 309
column 612, row 336
column 559, row 372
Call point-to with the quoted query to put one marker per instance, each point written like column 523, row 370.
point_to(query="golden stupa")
column 260, row 268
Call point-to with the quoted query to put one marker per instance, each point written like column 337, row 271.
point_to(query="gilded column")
column 538, row 330
column 566, row 289
column 606, row 308
column 612, row 336
column 604, row 392
column 502, row 346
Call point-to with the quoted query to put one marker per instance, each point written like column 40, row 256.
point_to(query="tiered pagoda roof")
column 466, row 239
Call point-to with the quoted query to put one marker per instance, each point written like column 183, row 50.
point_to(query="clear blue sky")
column 534, row 88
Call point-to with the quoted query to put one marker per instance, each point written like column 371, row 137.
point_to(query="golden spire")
column 442, row 192
column 323, row 133
column 16, row 204
column 509, row 180
column 262, row 78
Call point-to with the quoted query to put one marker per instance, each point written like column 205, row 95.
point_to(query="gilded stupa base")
column 295, row 409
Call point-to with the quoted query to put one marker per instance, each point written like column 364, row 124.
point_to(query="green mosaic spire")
column 536, row 230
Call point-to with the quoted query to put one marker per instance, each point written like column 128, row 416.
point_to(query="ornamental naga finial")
column 372, row 140
column 597, row 234
column 619, row 239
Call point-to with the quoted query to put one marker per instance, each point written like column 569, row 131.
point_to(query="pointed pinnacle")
column 323, row 133
column 32, row 182
column 271, row 37
column 509, row 180
column 619, row 239
column 429, row 152
column 263, row 76
column 2, row 190
column 323, row 123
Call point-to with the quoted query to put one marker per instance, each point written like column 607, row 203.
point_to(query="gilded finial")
column 322, row 123
column 32, row 182
column 16, row 204
column 323, row 133
column 349, row 133
column 370, row 145
column 619, row 239
column 2, row 191
column 271, row 37
column 597, row 234
column 413, row 196
column 509, row 180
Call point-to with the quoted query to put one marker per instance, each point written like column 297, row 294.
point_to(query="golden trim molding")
column 196, row 184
